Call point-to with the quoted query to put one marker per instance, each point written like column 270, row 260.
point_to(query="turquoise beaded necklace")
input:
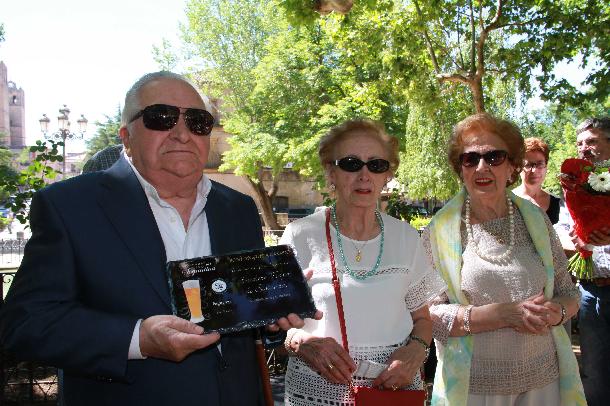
column 333, row 212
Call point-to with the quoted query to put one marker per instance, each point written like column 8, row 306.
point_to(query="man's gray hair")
column 596, row 124
column 132, row 102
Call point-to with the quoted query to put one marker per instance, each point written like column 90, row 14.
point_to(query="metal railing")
column 11, row 252
column 21, row 383
column 27, row 383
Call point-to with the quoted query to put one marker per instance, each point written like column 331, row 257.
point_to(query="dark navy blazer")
column 93, row 267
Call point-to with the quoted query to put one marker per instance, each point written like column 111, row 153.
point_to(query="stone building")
column 12, row 112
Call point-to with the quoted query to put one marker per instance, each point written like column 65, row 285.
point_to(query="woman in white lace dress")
column 498, row 326
column 386, row 280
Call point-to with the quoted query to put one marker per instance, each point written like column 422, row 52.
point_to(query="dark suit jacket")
column 93, row 267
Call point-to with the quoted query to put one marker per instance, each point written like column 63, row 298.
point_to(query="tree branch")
column 474, row 37
column 427, row 38
column 274, row 186
column 483, row 38
column 453, row 77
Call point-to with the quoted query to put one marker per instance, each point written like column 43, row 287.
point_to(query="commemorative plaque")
column 239, row 291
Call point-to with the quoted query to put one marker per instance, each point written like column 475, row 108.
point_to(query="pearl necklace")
column 511, row 245
column 348, row 270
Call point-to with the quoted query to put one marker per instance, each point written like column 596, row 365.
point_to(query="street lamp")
column 63, row 133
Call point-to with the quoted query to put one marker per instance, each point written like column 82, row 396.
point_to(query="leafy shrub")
column 419, row 222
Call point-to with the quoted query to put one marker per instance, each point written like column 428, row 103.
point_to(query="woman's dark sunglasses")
column 352, row 164
column 163, row 117
column 493, row 158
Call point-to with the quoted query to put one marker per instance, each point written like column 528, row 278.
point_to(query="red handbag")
column 364, row 395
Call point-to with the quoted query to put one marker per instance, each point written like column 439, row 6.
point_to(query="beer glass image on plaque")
column 193, row 297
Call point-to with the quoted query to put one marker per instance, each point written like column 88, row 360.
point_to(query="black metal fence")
column 21, row 383
column 11, row 252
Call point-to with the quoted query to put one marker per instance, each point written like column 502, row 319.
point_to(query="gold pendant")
column 358, row 256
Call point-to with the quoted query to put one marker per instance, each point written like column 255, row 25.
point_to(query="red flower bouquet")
column 587, row 193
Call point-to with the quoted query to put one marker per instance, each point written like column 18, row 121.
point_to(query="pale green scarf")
column 452, row 378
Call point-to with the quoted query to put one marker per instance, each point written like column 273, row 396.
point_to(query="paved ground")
column 277, row 384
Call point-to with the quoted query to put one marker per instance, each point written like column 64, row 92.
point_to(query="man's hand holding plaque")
column 172, row 338
column 243, row 290
column 293, row 320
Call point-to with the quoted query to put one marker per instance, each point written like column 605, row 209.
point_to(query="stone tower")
column 12, row 112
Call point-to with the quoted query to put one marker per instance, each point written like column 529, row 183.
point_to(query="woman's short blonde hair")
column 337, row 134
column 504, row 129
column 533, row 144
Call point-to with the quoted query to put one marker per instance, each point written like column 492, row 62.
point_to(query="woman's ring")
column 330, row 366
column 394, row 387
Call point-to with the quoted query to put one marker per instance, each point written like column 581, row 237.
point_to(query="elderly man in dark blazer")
column 91, row 295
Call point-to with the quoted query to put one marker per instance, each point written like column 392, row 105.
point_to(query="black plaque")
column 241, row 290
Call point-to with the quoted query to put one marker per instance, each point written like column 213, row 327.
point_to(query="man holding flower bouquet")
column 593, row 144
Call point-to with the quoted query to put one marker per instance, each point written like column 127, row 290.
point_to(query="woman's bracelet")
column 563, row 314
column 288, row 342
column 424, row 344
column 467, row 319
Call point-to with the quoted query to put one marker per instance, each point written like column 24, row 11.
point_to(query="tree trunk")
column 476, row 87
column 266, row 206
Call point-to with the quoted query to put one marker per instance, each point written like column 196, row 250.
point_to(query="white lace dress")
column 377, row 309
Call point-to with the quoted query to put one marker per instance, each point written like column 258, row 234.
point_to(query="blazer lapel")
column 125, row 204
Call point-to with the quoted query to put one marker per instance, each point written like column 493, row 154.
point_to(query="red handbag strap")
column 337, row 287
column 336, row 283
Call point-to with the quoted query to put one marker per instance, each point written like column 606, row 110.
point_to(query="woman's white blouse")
column 377, row 309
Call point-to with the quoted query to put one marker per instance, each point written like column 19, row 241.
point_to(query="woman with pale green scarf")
column 498, row 327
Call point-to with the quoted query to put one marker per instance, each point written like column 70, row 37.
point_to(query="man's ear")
column 124, row 134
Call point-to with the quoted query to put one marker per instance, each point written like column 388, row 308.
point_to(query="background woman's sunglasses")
column 493, row 158
column 353, row 164
column 163, row 117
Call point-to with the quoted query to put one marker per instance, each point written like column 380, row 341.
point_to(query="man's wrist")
column 134, row 345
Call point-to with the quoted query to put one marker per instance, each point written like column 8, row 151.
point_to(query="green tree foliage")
column 463, row 41
column 287, row 75
column 34, row 177
column 225, row 39
column 165, row 56
column 6, row 172
column 1, row 32
column 107, row 134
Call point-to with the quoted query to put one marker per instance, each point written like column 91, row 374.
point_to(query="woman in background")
column 532, row 178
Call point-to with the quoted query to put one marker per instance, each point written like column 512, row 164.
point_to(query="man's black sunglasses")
column 493, row 158
column 163, row 117
column 353, row 164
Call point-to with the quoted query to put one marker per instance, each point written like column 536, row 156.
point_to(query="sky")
column 85, row 54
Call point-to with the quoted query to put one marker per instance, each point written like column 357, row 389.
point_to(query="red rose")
column 575, row 172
